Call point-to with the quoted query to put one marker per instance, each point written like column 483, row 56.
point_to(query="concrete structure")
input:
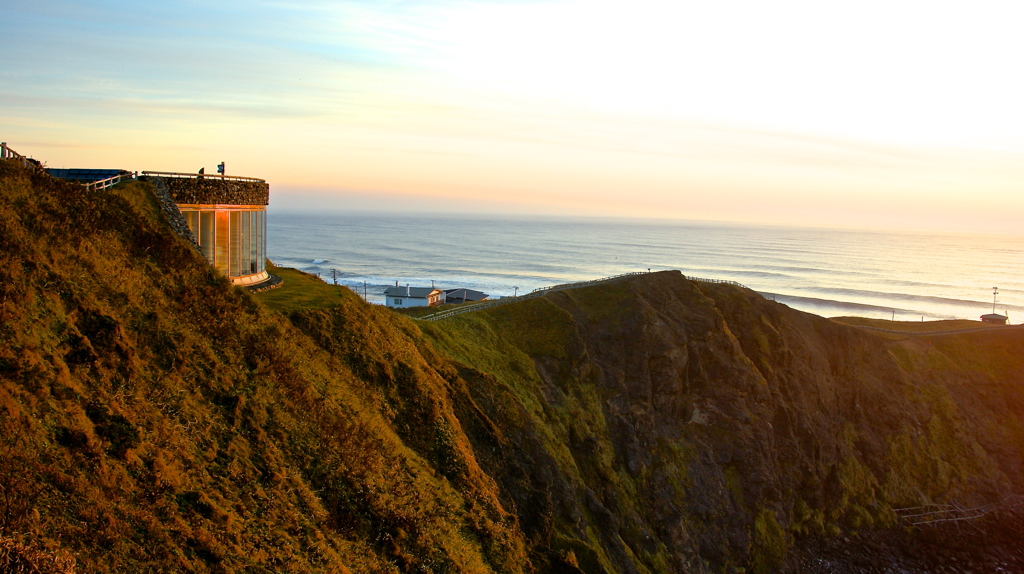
column 994, row 318
column 227, row 217
column 407, row 296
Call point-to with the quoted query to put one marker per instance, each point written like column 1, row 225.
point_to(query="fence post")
column 3, row 150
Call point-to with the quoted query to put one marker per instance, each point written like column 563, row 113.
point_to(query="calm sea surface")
column 828, row 272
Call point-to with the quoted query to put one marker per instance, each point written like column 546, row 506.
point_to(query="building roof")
column 413, row 292
column 81, row 174
column 466, row 294
column 994, row 317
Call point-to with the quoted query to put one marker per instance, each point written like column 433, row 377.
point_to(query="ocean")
column 906, row 276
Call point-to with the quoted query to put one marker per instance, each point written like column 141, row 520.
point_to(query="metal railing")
column 201, row 176
column 726, row 281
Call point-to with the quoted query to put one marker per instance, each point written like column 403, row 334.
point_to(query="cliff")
column 669, row 426
column 156, row 418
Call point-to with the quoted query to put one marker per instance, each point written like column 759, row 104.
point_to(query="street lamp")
column 516, row 292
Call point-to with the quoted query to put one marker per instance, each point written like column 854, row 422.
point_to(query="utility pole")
column 335, row 271
column 995, row 291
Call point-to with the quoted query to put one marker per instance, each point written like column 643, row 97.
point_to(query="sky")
column 894, row 114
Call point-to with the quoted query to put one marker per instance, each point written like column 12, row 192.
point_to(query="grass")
column 911, row 326
column 155, row 418
column 301, row 291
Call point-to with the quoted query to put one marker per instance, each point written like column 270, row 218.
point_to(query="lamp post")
column 515, row 293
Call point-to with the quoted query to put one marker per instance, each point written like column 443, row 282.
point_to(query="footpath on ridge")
column 541, row 291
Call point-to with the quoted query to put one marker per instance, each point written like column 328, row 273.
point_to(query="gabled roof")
column 466, row 294
column 413, row 292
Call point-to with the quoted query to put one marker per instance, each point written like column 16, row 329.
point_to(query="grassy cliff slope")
column 660, row 425
column 155, row 418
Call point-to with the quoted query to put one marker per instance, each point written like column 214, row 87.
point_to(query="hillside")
column 154, row 418
column 684, row 425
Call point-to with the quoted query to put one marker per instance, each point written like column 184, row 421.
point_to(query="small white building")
column 412, row 296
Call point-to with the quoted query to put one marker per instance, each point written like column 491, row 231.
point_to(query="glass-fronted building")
column 228, row 219
column 232, row 237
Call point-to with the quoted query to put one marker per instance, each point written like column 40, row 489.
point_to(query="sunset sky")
column 868, row 113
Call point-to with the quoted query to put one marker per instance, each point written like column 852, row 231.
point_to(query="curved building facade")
column 232, row 237
column 228, row 217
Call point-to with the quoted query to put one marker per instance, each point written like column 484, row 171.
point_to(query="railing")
column 202, row 176
column 8, row 153
column 953, row 512
column 726, row 281
column 106, row 183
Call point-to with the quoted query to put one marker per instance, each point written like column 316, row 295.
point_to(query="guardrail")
column 726, row 281
column 106, row 183
column 8, row 153
column 201, row 176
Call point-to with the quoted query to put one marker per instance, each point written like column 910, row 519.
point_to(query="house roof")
column 466, row 294
column 80, row 174
column 413, row 292
column 994, row 316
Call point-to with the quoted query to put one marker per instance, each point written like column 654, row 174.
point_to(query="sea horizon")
column 877, row 273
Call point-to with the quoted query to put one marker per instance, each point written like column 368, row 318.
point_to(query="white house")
column 412, row 296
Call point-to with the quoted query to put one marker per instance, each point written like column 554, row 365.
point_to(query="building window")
column 254, row 256
column 221, row 244
column 206, row 234
column 235, row 245
column 398, row 301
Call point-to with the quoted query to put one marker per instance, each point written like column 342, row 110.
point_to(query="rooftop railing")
column 201, row 176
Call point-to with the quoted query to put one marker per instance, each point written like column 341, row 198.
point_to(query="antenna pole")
column 995, row 291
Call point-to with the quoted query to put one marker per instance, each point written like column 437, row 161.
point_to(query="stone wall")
column 171, row 211
column 212, row 190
